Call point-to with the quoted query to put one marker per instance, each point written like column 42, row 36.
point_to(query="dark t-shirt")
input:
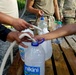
column 4, row 32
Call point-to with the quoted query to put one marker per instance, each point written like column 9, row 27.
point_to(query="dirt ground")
column 3, row 48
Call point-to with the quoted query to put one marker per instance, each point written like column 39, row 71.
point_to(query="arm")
column 63, row 31
column 31, row 9
column 6, row 19
column 18, row 24
column 56, row 10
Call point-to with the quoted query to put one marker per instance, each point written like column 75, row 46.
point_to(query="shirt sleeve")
column 4, row 32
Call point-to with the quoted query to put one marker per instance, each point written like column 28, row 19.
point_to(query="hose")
column 9, row 50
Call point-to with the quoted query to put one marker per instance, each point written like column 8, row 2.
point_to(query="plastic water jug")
column 43, row 25
column 47, row 46
column 34, row 60
column 23, row 50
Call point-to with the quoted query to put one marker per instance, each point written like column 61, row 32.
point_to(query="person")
column 18, row 24
column 10, row 8
column 47, row 8
column 63, row 31
column 68, row 11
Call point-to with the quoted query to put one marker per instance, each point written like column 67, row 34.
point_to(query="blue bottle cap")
column 42, row 18
column 35, row 43
column 38, row 42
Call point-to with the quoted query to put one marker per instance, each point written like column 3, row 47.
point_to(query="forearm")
column 30, row 8
column 57, row 14
column 64, row 31
column 6, row 19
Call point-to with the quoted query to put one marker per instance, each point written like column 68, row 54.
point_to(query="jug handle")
column 41, row 41
column 25, row 34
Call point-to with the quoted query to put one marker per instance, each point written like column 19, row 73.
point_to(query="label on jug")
column 21, row 50
column 30, row 70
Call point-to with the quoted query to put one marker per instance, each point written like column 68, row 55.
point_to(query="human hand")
column 38, row 37
column 14, row 35
column 39, row 13
column 20, row 24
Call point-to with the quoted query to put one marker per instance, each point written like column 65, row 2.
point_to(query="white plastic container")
column 23, row 50
column 34, row 60
column 48, row 49
column 47, row 46
column 43, row 25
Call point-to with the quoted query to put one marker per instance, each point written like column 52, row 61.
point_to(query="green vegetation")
column 21, row 4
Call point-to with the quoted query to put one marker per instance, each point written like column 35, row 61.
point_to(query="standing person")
column 10, row 8
column 68, row 10
column 47, row 8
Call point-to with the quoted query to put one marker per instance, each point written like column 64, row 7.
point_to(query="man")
column 47, row 8
column 68, row 10
column 18, row 24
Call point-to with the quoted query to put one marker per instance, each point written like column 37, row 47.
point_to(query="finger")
column 27, row 24
column 26, row 39
column 25, row 46
column 30, row 34
column 19, row 28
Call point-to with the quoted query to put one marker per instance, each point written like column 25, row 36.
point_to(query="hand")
column 20, row 24
column 39, row 13
column 38, row 37
column 15, row 36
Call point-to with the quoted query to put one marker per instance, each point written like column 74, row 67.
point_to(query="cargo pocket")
column 69, row 13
